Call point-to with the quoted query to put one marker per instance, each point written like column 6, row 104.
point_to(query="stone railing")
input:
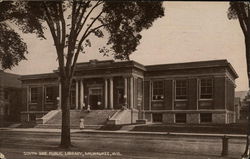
column 47, row 116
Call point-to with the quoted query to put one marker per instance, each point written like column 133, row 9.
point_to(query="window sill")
column 49, row 102
column 157, row 100
column 181, row 100
column 32, row 103
column 206, row 99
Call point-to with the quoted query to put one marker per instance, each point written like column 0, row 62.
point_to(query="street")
column 37, row 145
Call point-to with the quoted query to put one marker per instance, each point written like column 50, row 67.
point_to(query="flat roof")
column 192, row 65
column 110, row 64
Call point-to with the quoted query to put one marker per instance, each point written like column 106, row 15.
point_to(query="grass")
column 194, row 128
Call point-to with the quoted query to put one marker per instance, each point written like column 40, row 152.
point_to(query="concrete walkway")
column 123, row 132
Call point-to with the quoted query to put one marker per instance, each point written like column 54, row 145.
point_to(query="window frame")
column 45, row 94
column 184, row 99
column 152, row 90
column 30, row 95
column 212, row 88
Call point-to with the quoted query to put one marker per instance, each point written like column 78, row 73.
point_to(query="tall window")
column 158, row 90
column 34, row 95
column 181, row 89
column 206, row 88
column 49, row 94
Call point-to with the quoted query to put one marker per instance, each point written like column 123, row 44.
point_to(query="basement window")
column 206, row 117
column 157, row 117
column 181, row 118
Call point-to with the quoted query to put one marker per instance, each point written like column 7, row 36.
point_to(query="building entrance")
column 95, row 98
column 94, row 102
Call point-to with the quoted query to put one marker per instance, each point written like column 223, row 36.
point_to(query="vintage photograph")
column 82, row 79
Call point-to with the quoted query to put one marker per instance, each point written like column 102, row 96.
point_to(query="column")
column 60, row 96
column 131, row 92
column 76, row 95
column 126, row 91
column 43, row 97
column 28, row 98
column 111, row 93
column 106, row 93
column 81, row 94
column 150, row 95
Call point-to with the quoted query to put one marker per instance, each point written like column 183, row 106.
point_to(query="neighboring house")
column 244, row 108
column 241, row 105
column 237, row 107
column 10, row 96
column 193, row 92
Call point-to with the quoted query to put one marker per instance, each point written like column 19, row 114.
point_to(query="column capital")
column 107, row 77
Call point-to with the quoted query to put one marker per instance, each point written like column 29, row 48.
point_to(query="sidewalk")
column 123, row 132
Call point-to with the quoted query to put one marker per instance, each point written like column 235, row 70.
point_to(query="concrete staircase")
column 92, row 120
column 97, row 117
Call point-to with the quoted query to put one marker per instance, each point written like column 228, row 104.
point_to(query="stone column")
column 28, row 98
column 106, row 93
column 150, row 95
column 126, row 91
column 131, row 92
column 76, row 95
column 111, row 93
column 60, row 96
column 81, row 94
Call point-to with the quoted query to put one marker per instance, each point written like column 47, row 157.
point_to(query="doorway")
column 95, row 98
column 94, row 101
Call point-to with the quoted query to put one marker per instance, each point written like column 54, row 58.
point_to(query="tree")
column 72, row 23
column 12, row 47
column 241, row 11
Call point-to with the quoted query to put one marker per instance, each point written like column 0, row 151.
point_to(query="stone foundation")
column 168, row 118
column 193, row 118
column 219, row 118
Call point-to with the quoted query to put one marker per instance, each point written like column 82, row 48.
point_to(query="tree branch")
column 242, row 20
column 80, row 44
column 50, row 22
column 63, row 25
column 86, row 18
column 81, row 16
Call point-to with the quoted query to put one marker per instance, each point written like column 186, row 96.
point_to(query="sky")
column 189, row 31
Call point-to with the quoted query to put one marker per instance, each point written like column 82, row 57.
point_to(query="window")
column 34, row 95
column 181, row 89
column 95, row 91
column 158, row 88
column 206, row 88
column 206, row 117
column 49, row 94
column 180, row 118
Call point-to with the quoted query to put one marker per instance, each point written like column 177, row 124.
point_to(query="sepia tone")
column 181, row 94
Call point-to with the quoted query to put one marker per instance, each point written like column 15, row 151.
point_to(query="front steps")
column 94, row 119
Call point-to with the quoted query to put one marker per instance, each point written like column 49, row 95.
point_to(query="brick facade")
column 113, row 85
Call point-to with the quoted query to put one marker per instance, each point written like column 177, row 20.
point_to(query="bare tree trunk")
column 65, row 104
column 247, row 45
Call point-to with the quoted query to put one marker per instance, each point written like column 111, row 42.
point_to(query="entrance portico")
column 110, row 92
